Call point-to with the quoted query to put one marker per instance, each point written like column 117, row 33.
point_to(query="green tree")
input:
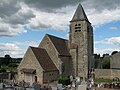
column 114, row 52
column 7, row 59
column 106, row 64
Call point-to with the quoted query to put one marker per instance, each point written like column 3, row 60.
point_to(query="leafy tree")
column 7, row 59
column 106, row 64
column 105, row 55
column 114, row 52
column 96, row 56
column 12, row 65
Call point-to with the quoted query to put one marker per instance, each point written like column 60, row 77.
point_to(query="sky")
column 24, row 23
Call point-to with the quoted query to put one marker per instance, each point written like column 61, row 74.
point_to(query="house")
column 56, row 56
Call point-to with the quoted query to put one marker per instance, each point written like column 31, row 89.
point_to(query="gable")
column 40, row 55
column 29, row 61
column 60, row 44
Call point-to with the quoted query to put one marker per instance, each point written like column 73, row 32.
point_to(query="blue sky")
column 24, row 23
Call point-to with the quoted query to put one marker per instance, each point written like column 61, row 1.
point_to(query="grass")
column 100, row 80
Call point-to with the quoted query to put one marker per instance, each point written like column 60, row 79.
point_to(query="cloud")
column 52, row 14
column 27, row 43
column 15, row 16
column 105, row 16
column 50, row 5
column 12, row 49
column 58, row 17
column 100, row 5
column 9, row 30
column 114, row 28
column 8, row 7
column 113, row 42
column 104, row 51
column 51, row 21
column 110, row 41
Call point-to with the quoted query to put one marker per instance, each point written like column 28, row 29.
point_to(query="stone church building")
column 56, row 56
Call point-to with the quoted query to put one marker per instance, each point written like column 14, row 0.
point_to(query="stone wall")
column 115, row 61
column 50, row 76
column 107, row 73
column 74, row 55
column 83, row 37
column 29, row 61
column 50, row 48
column 66, row 65
column 47, row 44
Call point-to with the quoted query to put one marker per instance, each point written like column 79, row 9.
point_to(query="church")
column 55, row 56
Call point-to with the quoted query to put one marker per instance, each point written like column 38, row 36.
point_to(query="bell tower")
column 81, row 34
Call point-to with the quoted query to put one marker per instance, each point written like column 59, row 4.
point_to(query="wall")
column 74, row 55
column 50, row 76
column 49, row 47
column 29, row 61
column 84, row 38
column 54, row 55
column 107, row 73
column 115, row 61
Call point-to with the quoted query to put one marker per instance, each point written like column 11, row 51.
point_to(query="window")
column 77, row 27
column 75, row 24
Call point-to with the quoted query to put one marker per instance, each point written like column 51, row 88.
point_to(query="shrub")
column 103, row 80
column 12, row 65
column 64, row 80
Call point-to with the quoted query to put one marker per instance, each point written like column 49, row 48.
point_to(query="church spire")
column 79, row 14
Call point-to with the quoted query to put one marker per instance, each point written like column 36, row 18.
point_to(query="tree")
column 106, row 64
column 7, row 59
column 105, row 55
column 96, row 56
column 114, row 52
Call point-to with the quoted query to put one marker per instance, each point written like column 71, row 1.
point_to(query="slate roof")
column 79, row 14
column 44, row 59
column 60, row 44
